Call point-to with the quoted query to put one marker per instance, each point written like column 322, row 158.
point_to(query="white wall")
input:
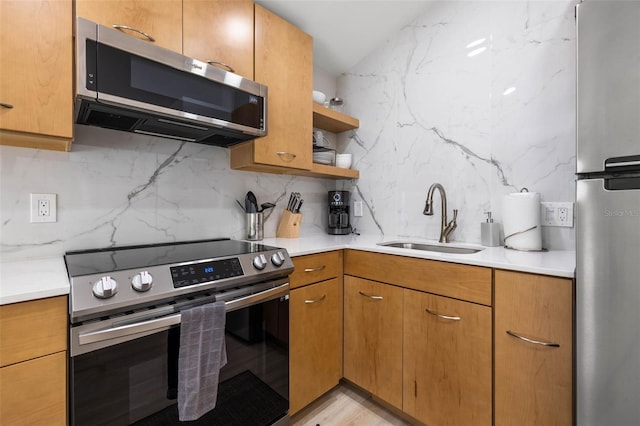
column 431, row 112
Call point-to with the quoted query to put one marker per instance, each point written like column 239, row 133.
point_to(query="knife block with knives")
column 289, row 226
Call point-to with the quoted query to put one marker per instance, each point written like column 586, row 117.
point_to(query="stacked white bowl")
column 343, row 161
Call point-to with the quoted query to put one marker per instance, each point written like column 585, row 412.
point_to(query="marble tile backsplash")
column 476, row 95
column 117, row 188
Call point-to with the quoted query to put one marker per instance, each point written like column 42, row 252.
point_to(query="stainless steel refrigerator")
column 608, row 214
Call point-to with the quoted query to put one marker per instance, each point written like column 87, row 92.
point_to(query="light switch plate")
column 357, row 209
column 556, row 214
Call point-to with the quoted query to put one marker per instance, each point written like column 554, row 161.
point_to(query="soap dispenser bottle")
column 490, row 232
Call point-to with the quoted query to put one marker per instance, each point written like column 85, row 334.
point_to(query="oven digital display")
column 198, row 273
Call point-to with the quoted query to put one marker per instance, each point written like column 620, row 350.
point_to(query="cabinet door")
column 373, row 338
column 220, row 31
column 161, row 20
column 34, row 392
column 447, row 360
column 315, row 351
column 283, row 61
column 36, row 67
column 533, row 382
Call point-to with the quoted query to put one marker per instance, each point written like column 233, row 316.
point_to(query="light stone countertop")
column 32, row 279
column 39, row 278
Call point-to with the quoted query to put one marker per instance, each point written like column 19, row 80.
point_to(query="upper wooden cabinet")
column 220, row 32
column 533, row 378
column 36, row 57
column 283, row 62
column 160, row 20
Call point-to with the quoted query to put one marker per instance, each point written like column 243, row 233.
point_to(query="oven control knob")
column 277, row 259
column 260, row 262
column 105, row 287
column 142, row 281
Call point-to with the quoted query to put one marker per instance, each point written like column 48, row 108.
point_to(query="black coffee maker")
column 339, row 213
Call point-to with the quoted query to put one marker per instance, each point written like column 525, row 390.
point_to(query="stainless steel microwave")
column 127, row 84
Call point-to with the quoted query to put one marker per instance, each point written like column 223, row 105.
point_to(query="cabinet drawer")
column 470, row 283
column 316, row 267
column 34, row 392
column 32, row 329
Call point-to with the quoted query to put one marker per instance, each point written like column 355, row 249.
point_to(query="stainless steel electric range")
column 124, row 311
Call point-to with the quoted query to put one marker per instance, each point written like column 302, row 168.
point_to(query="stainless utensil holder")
column 255, row 226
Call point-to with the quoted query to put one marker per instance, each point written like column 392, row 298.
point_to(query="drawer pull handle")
column 128, row 28
column 310, row 301
column 221, row 65
column 535, row 342
column 5, row 105
column 319, row 268
column 370, row 296
column 447, row 317
column 286, row 156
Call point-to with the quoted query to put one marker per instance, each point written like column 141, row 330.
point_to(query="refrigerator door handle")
column 629, row 161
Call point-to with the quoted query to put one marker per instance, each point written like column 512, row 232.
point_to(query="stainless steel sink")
column 431, row 247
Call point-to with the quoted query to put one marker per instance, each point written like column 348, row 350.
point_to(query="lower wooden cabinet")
column 34, row 392
column 315, row 339
column 33, row 356
column 373, row 337
column 447, row 360
column 533, row 378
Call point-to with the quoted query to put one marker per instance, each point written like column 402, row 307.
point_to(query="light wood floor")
column 344, row 406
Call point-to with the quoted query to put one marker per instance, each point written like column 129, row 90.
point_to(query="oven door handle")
column 165, row 322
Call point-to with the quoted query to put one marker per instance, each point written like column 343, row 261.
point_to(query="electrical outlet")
column 43, row 208
column 556, row 214
column 357, row 209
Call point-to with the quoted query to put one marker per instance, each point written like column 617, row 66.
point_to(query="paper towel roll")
column 521, row 221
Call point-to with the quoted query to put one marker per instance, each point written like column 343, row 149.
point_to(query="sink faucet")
column 446, row 228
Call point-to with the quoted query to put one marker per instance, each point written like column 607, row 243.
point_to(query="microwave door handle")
column 135, row 30
column 157, row 324
column 219, row 64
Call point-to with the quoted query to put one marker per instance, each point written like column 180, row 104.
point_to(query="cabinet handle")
column 535, row 342
column 447, row 317
column 370, row 296
column 319, row 268
column 286, row 156
column 5, row 105
column 135, row 30
column 220, row 65
column 310, row 301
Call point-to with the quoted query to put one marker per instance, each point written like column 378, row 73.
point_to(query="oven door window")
column 135, row 382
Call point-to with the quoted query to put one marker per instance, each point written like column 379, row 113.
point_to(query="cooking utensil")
column 265, row 206
column 241, row 206
column 251, row 203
